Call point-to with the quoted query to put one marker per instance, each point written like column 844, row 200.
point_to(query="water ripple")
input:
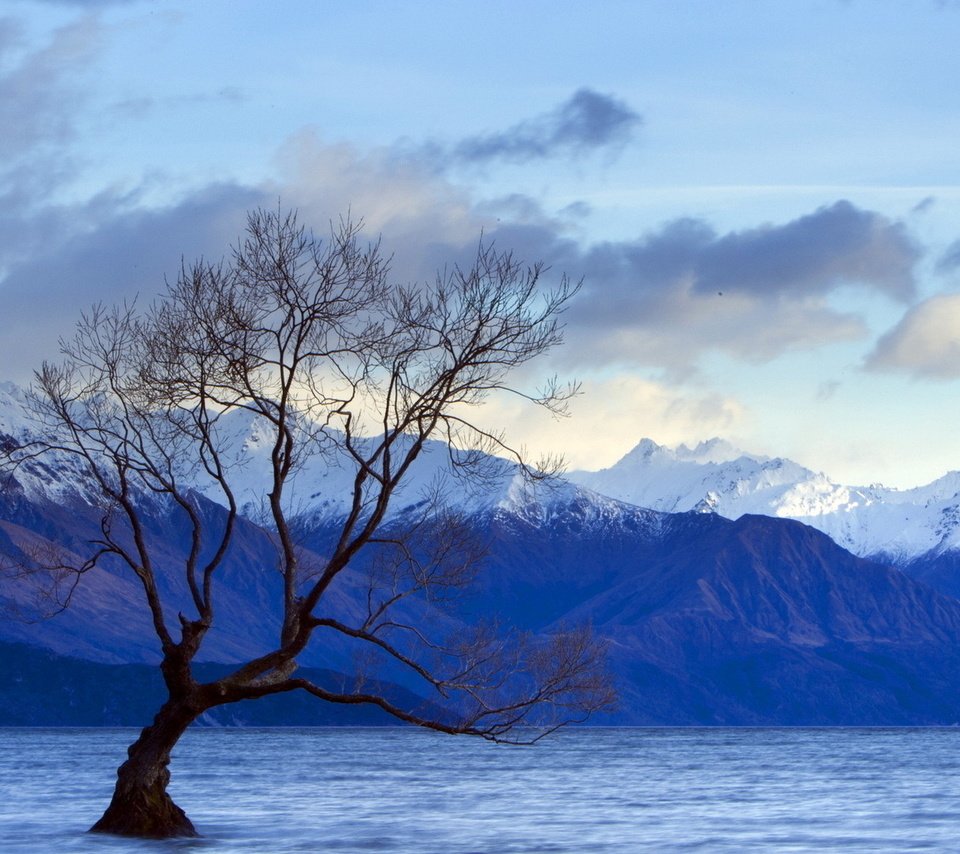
column 589, row 791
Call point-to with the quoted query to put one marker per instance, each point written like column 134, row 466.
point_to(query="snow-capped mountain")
column 707, row 620
column 323, row 483
column 876, row 521
column 872, row 521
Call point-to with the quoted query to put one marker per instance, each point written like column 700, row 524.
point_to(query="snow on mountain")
column 713, row 476
column 323, row 484
column 13, row 418
column 716, row 477
column 56, row 477
column 321, row 487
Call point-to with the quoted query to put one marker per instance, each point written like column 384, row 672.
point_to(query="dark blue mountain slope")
column 39, row 688
column 708, row 621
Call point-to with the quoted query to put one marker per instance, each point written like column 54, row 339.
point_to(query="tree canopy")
column 313, row 341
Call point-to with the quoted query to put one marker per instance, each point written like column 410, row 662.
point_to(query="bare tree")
column 311, row 340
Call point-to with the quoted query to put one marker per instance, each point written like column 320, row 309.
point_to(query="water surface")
column 585, row 790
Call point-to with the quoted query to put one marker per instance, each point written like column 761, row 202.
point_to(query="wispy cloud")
column 41, row 94
column 39, row 89
column 587, row 122
column 950, row 260
column 141, row 106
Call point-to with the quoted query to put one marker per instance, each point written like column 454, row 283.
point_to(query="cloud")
column 587, row 122
column 40, row 90
column 112, row 248
column 665, row 300
column 925, row 343
column 41, row 95
column 611, row 415
column 671, row 296
column 123, row 253
column 950, row 260
column 835, row 245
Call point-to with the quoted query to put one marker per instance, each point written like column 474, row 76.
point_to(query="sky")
column 762, row 198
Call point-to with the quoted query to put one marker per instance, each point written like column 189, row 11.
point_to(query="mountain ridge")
column 901, row 526
column 708, row 620
column 871, row 521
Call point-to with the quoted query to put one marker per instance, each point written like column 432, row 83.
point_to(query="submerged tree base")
column 145, row 811
column 145, row 814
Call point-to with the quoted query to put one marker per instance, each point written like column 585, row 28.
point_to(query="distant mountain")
column 713, row 621
column 758, row 620
column 892, row 525
column 888, row 525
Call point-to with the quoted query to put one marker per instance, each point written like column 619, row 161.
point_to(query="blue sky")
column 763, row 198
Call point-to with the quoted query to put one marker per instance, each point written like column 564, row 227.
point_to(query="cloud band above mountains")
column 678, row 292
column 662, row 300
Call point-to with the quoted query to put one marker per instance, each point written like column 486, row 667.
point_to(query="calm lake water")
column 586, row 790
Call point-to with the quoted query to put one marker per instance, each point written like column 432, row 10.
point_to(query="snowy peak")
column 648, row 452
column 711, row 477
column 14, row 420
column 716, row 477
column 710, row 451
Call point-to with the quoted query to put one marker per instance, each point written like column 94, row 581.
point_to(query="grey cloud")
column 124, row 254
column 950, row 260
column 39, row 91
column 588, row 121
column 813, row 254
column 671, row 296
column 799, row 260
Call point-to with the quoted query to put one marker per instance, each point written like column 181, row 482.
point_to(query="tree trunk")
column 141, row 806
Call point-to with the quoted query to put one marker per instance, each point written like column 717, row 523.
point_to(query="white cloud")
column 610, row 417
column 925, row 343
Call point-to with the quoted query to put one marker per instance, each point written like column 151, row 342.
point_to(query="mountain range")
column 917, row 530
column 870, row 521
column 716, row 606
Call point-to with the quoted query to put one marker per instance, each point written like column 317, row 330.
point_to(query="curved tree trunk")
column 140, row 805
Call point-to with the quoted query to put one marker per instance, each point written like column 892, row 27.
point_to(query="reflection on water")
column 586, row 790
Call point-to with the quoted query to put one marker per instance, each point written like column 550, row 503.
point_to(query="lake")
column 581, row 790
